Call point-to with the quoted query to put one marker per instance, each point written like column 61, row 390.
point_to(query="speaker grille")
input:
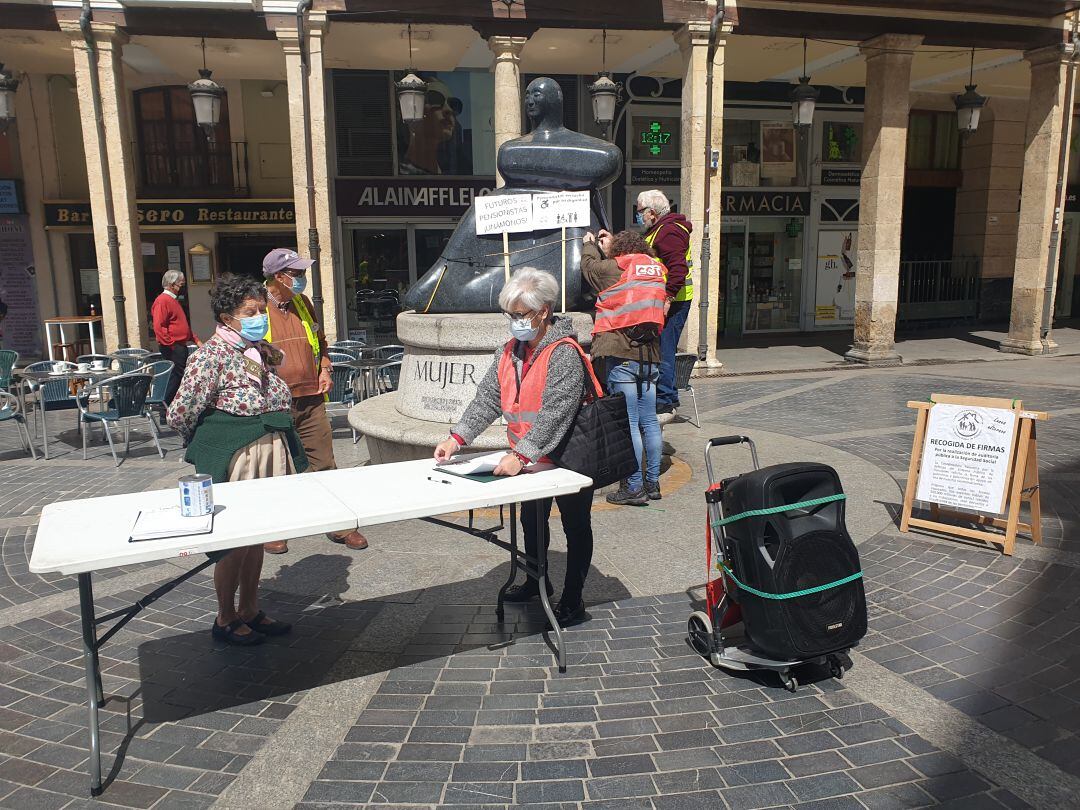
column 830, row 619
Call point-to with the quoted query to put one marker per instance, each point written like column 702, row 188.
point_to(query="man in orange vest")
column 630, row 307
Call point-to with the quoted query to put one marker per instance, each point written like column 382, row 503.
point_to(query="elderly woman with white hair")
column 171, row 328
column 538, row 383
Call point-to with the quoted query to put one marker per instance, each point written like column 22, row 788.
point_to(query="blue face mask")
column 523, row 329
column 639, row 218
column 255, row 327
column 299, row 285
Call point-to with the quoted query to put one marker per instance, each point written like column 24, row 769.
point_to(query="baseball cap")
column 279, row 260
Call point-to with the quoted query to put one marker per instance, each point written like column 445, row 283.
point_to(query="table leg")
column 48, row 340
column 93, row 679
column 93, row 346
column 500, row 614
column 542, row 581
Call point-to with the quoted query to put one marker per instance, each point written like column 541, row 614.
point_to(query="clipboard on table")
column 474, row 467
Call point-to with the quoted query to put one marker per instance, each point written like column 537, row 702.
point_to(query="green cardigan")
column 219, row 435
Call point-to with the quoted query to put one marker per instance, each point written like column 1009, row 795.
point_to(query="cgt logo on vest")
column 649, row 272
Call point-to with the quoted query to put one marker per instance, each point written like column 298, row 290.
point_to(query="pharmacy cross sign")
column 655, row 138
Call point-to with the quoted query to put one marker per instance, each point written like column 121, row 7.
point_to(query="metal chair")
column 11, row 410
column 50, row 395
column 127, row 360
column 160, row 370
column 127, row 400
column 340, row 357
column 342, row 394
column 392, row 351
column 388, row 376
column 93, row 358
column 350, row 346
column 8, row 359
column 684, row 367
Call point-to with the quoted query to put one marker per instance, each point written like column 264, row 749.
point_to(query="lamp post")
column 206, row 95
column 411, row 91
column 803, row 97
column 969, row 104
column 8, row 85
column 605, row 93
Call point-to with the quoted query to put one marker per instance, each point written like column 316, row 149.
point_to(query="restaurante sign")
column 182, row 213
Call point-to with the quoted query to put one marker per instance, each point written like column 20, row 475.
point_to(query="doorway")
column 161, row 252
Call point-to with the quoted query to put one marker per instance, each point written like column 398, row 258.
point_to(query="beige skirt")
column 261, row 459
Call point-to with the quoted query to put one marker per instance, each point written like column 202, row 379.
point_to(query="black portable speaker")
column 790, row 551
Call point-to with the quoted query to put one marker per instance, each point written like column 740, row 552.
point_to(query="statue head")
column 544, row 103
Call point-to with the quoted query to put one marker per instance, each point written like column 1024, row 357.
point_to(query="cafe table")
column 70, row 321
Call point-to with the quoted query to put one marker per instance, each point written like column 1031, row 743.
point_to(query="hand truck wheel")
column 699, row 632
column 790, row 682
column 836, row 667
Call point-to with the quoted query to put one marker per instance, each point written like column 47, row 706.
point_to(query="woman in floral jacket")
column 233, row 413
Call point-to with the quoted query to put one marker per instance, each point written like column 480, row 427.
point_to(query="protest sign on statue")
column 561, row 209
column 966, row 456
column 504, row 213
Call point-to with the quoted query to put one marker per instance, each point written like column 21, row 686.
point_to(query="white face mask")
column 523, row 329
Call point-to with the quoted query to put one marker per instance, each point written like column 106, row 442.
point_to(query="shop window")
column 763, row 153
column 456, row 135
column 363, row 124
column 841, row 142
column 933, row 141
column 176, row 158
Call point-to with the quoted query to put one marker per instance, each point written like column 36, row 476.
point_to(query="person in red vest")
column 630, row 308
column 537, row 383
column 171, row 328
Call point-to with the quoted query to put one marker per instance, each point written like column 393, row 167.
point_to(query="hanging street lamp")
column 206, row 95
column 411, row 91
column 8, row 85
column 969, row 104
column 803, row 97
column 605, row 92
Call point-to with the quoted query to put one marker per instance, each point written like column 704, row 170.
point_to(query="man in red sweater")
column 171, row 328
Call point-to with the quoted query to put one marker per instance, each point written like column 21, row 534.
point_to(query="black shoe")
column 229, row 635
column 526, row 591
column 626, row 497
column 665, row 407
column 567, row 615
column 652, row 490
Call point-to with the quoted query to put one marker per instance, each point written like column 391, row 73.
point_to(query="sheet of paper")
column 155, row 524
column 473, row 465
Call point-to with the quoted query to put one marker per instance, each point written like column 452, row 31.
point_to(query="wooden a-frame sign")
column 1021, row 486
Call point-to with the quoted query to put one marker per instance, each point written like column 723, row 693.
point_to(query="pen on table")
column 438, row 480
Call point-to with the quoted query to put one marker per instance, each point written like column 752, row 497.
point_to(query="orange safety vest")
column 521, row 400
column 637, row 298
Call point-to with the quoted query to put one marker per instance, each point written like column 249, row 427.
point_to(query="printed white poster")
column 561, row 209
column 966, row 454
column 836, row 263
column 20, row 327
column 499, row 213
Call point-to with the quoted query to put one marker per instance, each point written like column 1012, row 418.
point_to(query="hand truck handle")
column 719, row 441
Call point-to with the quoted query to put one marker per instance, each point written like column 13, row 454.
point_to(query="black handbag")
column 598, row 444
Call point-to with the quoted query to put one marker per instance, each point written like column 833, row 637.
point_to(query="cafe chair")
column 160, row 370
column 8, row 359
column 126, row 400
column 349, row 346
column 49, row 395
column 11, row 411
column 340, row 357
column 387, row 377
column 95, row 358
column 392, row 351
column 342, row 394
column 128, row 360
column 684, row 367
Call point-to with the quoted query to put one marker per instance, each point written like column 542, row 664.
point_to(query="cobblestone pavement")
column 399, row 688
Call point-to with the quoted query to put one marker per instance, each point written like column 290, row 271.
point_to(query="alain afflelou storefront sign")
column 219, row 214
column 430, row 196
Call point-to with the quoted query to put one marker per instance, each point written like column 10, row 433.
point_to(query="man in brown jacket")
column 306, row 368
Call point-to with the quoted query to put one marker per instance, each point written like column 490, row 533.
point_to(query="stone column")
column 1038, row 203
column 693, row 41
column 299, row 133
column 121, row 174
column 881, row 196
column 508, row 90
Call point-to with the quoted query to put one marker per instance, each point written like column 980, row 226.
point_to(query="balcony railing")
column 218, row 169
column 939, row 289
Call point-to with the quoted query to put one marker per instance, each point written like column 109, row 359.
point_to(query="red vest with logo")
column 637, row 298
column 522, row 400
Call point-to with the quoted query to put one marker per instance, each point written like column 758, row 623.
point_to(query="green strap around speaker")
column 776, row 510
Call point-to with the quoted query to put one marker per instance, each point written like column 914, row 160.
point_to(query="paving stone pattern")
column 638, row 721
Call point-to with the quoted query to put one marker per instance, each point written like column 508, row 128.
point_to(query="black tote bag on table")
column 599, row 444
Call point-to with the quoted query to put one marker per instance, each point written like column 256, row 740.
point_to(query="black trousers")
column 178, row 353
column 576, row 513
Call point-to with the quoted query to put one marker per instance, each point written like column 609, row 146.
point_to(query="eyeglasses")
column 434, row 98
column 519, row 316
column 294, row 273
column 642, row 210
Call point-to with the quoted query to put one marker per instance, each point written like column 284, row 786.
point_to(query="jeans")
column 641, row 408
column 669, row 344
column 576, row 513
column 178, row 353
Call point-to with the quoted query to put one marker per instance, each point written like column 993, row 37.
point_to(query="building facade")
column 877, row 214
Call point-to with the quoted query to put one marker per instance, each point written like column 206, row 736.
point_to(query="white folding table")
column 80, row 537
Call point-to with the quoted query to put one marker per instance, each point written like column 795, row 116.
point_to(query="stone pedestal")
column 446, row 357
